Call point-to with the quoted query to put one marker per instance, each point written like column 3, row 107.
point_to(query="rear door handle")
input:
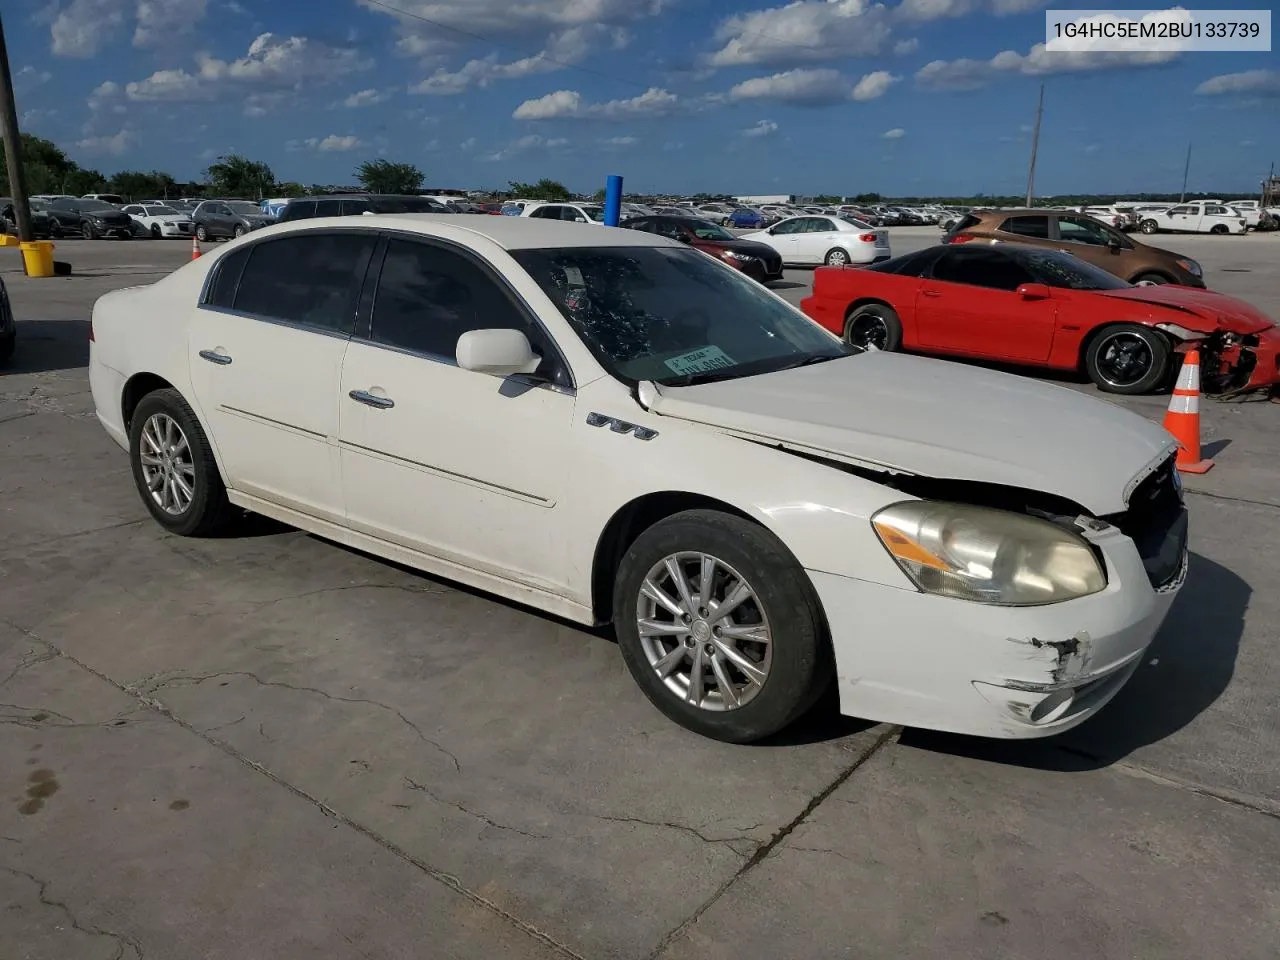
column 369, row 399
column 214, row 357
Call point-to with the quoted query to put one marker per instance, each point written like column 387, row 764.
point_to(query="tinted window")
column 349, row 208
column 226, row 277
column 1037, row 227
column 429, row 296
column 299, row 210
column 328, row 208
column 643, row 224
column 1083, row 230
column 1059, row 269
column 967, row 222
column 546, row 213
column 911, row 265
column 980, row 268
column 313, row 278
column 788, row 226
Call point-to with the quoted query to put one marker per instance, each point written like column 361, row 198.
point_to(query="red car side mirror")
column 1034, row 291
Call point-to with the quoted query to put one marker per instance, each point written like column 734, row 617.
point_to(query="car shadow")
column 48, row 345
column 785, row 285
column 1185, row 670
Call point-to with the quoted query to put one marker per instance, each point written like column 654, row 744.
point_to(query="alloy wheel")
column 1123, row 359
column 704, row 631
column 869, row 331
column 167, row 466
column 837, row 258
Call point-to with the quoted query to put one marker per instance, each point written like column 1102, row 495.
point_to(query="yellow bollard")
column 37, row 257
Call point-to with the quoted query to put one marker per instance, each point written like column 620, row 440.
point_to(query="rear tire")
column 240, row 230
column 1128, row 359
column 202, row 234
column 1219, row 229
column 837, row 257
column 782, row 605
column 874, row 325
column 205, row 509
column 7, row 346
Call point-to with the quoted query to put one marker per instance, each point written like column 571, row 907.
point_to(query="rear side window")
column 328, row 208
column 353, row 208
column 313, row 279
column 1037, row 227
column 298, row 210
column 967, row 222
column 226, row 278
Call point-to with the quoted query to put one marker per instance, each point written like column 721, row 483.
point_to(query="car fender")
column 818, row 510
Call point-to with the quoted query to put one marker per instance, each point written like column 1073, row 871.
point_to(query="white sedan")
column 835, row 241
column 158, row 221
column 622, row 430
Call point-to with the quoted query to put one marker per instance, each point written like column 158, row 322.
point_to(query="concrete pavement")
column 267, row 745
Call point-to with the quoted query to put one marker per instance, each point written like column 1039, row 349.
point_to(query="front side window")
column 328, row 208
column 706, row 230
column 243, row 208
column 313, row 278
column 429, row 296
column 1083, row 230
column 546, row 213
column 1034, row 227
column 299, row 210
column 226, row 278
column 980, row 268
column 788, row 226
column 674, row 316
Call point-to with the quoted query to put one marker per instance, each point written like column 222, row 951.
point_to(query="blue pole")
column 612, row 201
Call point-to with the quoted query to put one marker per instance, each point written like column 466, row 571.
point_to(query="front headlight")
column 1191, row 267
column 986, row 555
column 735, row 255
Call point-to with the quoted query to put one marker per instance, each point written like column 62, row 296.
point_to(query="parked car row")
column 921, row 546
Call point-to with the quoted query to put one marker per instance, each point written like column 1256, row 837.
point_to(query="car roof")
column 510, row 233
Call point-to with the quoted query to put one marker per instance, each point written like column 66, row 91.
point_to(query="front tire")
column 1128, row 359
column 202, row 234
column 1149, row 227
column 87, row 231
column 1150, row 279
column 874, row 326
column 240, row 230
column 155, row 232
column 173, row 467
column 720, row 626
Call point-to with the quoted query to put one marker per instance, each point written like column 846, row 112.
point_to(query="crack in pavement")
column 404, row 587
column 122, row 941
column 685, row 828
column 448, row 880
column 145, row 693
column 25, row 545
column 423, row 788
column 781, row 834
column 29, row 659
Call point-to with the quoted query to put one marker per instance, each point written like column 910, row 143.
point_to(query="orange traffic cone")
column 1183, row 418
column 195, row 247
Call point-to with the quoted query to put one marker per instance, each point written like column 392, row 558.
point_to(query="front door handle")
column 369, row 399
column 213, row 356
column 930, row 293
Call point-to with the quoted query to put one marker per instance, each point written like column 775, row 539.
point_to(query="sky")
column 905, row 97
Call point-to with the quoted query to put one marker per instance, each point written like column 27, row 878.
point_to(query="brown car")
column 1081, row 235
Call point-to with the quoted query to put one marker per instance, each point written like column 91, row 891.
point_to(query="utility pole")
column 1035, row 146
column 13, row 146
column 1186, row 170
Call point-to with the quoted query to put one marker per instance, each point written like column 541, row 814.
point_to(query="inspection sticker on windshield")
column 700, row 361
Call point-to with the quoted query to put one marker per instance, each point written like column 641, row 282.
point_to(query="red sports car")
column 1028, row 305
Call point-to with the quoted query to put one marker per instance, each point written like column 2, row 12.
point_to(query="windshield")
column 94, row 206
column 1063, row 270
column 860, row 224
column 706, row 230
column 160, row 211
column 674, row 316
column 244, row 208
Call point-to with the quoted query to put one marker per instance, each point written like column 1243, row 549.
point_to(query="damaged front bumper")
column 1010, row 672
column 1233, row 363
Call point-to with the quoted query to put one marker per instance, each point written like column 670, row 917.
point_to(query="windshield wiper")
column 693, row 379
column 817, row 358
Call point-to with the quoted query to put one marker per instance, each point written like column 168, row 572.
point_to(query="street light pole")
column 1185, row 171
column 13, row 146
column 1035, row 146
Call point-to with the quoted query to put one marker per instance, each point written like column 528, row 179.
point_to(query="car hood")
column 109, row 216
column 1215, row 310
column 932, row 418
column 742, row 245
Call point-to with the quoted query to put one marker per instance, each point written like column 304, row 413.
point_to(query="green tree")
column 867, row 198
column 290, row 190
column 238, row 176
column 599, row 195
column 383, row 176
column 544, row 189
column 136, row 185
column 49, row 170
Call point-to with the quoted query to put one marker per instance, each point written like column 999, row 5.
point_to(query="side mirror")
column 1034, row 291
column 499, row 353
column 772, row 231
column 1114, row 245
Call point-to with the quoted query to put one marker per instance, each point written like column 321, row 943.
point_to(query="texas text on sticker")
column 700, row 361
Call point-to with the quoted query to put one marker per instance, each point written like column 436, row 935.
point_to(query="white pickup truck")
column 1200, row 216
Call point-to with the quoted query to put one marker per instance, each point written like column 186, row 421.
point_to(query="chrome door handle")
column 214, row 357
column 367, row 398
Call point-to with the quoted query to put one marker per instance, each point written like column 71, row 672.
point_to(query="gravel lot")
column 270, row 746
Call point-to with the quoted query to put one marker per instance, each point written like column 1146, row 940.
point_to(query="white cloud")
column 904, row 47
column 563, row 49
column 627, row 141
column 654, row 102
column 272, row 64
column 897, row 133
column 806, row 30
column 763, row 128
column 1263, row 82
column 940, row 9
column 1092, row 147
column 83, row 26
column 525, row 144
column 333, row 143
column 105, row 96
column 364, row 98
column 115, row 145
column 28, row 78
column 874, row 85
column 161, row 22
column 431, row 145
column 800, row 86
column 468, row 144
